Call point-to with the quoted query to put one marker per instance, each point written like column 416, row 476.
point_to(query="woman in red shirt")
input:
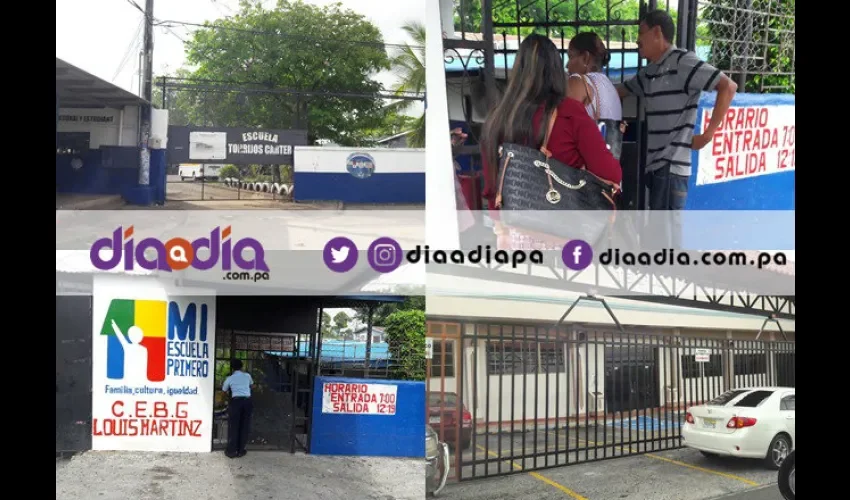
column 537, row 87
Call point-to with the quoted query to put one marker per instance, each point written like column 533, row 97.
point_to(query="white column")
column 441, row 225
column 447, row 17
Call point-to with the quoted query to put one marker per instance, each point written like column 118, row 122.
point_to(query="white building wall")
column 106, row 126
column 584, row 390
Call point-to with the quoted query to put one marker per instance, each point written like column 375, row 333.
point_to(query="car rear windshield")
column 726, row 397
column 753, row 399
column 448, row 399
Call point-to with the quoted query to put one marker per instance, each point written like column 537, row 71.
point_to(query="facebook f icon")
column 577, row 255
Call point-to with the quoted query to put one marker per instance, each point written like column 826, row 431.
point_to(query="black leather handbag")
column 532, row 182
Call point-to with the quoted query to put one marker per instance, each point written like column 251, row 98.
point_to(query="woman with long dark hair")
column 537, row 87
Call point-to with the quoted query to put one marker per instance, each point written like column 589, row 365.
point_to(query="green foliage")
column 230, row 171
column 248, row 52
column 340, row 322
column 327, row 327
column 409, row 66
column 772, row 41
column 406, row 339
column 534, row 11
column 383, row 311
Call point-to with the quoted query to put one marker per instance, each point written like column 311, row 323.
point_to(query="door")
column 787, row 411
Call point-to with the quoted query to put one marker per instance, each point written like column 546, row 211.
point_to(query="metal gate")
column 282, row 367
column 513, row 398
column 490, row 32
column 200, row 102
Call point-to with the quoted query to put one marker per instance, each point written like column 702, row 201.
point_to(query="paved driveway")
column 257, row 476
column 680, row 474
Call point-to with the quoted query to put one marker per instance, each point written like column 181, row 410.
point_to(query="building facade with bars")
column 510, row 365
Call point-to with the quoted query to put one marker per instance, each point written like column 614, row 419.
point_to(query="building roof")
column 76, row 88
column 388, row 139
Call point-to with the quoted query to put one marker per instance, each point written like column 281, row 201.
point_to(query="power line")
column 172, row 23
column 131, row 49
column 219, row 86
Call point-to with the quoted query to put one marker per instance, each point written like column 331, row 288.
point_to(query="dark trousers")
column 668, row 192
column 239, row 424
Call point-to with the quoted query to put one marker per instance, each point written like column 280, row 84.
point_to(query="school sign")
column 153, row 369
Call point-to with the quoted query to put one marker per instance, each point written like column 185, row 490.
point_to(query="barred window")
column 750, row 364
column 504, row 358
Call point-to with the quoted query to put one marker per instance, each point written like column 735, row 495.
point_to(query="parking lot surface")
column 679, row 474
column 257, row 476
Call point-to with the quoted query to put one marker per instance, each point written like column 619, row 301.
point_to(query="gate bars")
column 542, row 396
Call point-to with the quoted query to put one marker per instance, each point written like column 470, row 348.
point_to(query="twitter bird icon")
column 340, row 254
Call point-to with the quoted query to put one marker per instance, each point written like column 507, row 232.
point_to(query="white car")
column 757, row 422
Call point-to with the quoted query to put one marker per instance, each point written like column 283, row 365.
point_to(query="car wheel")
column 787, row 477
column 778, row 451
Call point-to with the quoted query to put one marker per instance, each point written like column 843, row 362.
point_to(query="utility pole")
column 147, row 95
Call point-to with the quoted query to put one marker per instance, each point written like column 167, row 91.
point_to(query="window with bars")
column 438, row 369
column 750, row 364
column 506, row 358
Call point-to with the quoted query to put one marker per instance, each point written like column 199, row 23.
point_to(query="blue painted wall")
column 399, row 435
column 113, row 170
column 765, row 192
column 108, row 170
column 379, row 188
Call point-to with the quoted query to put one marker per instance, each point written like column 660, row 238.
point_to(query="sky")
column 104, row 37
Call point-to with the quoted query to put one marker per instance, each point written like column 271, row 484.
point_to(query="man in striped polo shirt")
column 671, row 85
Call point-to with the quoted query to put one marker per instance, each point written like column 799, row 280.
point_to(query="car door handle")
column 789, row 417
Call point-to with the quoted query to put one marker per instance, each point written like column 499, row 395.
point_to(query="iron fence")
column 359, row 359
column 753, row 41
column 513, row 398
column 223, row 103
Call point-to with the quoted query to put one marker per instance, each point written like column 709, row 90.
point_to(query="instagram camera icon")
column 384, row 254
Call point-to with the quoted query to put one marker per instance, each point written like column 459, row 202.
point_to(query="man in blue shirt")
column 239, row 385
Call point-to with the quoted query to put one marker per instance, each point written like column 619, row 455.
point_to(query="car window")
column 788, row 403
column 448, row 399
column 726, row 397
column 753, row 399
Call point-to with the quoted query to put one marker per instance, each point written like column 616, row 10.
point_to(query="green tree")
column 534, row 11
column 341, row 321
column 409, row 66
column 383, row 311
column 313, row 52
column 771, row 33
column 406, row 339
column 327, row 326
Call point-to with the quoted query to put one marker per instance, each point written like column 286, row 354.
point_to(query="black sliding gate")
column 283, row 373
column 541, row 397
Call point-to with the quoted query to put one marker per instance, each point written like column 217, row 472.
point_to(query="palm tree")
column 409, row 66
